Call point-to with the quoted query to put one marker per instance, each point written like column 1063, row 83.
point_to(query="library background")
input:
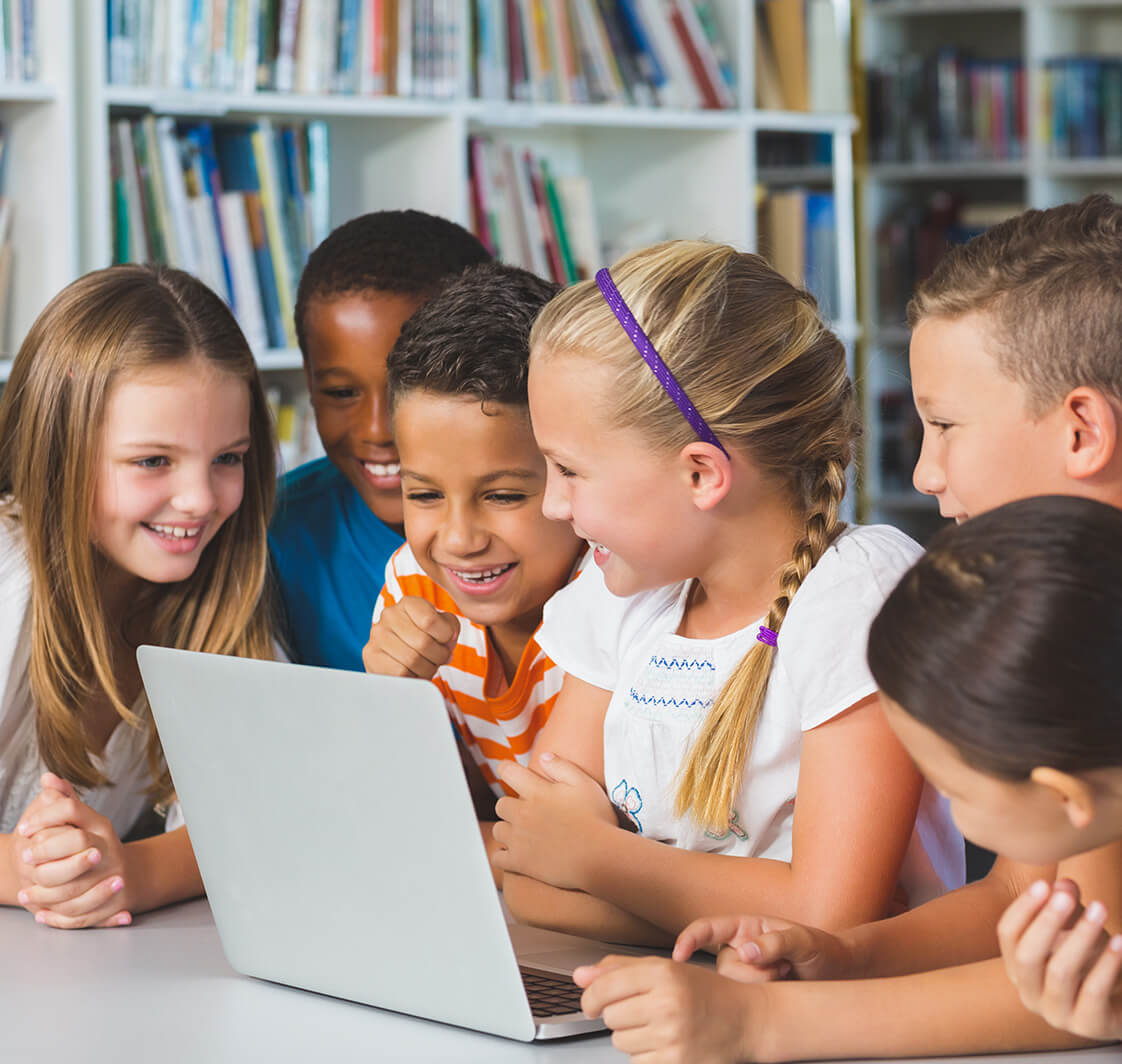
column 849, row 141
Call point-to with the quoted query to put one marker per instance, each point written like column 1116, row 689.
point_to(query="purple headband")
column 659, row 368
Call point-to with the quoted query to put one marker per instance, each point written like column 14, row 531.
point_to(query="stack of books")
column 802, row 56
column 648, row 53
column 1081, row 98
column 238, row 206
column 530, row 217
column 363, row 47
column 798, row 236
column 948, row 107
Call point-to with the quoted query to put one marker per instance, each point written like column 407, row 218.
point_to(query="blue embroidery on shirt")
column 681, row 663
column 629, row 802
column 677, row 703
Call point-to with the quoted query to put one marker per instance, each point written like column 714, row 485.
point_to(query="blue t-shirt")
column 329, row 554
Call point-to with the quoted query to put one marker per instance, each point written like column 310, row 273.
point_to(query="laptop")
column 338, row 844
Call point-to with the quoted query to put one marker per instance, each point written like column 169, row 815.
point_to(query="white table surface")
column 161, row 991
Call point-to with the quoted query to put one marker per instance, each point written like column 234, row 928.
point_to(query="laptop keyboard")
column 550, row 995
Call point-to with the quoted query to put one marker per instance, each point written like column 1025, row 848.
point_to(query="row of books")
column 802, row 55
column 948, row 106
column 530, row 217
column 239, row 206
column 652, row 53
column 297, row 439
column 19, row 42
column 914, row 238
column 797, row 234
column 1081, row 97
column 363, row 47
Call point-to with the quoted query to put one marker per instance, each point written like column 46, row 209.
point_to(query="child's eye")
column 507, row 498
column 231, row 458
column 940, row 426
column 422, row 497
column 563, row 470
column 339, row 393
column 156, row 461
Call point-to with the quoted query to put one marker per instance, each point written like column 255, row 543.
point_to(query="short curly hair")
column 473, row 338
column 402, row 252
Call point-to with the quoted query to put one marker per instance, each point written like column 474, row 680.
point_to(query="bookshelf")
column 925, row 178
column 655, row 172
column 37, row 180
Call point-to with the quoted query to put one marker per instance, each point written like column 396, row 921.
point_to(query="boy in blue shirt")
column 338, row 518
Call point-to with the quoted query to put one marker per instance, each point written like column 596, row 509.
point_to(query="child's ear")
column 1076, row 794
column 1092, row 424
column 710, row 473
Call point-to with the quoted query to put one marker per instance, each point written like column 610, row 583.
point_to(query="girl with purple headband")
column 698, row 419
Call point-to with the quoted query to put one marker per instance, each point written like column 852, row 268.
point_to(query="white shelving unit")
column 674, row 173
column 1032, row 30
column 38, row 127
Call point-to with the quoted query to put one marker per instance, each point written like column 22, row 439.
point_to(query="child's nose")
column 462, row 533
column 194, row 493
column 928, row 476
column 375, row 419
column 555, row 499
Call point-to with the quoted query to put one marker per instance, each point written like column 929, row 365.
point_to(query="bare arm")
column 532, row 902
column 853, row 820
column 575, row 729
column 162, row 870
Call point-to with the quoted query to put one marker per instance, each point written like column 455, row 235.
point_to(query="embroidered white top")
column 663, row 684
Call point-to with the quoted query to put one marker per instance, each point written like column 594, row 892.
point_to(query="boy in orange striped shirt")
column 463, row 597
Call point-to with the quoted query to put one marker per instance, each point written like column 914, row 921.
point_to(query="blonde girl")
column 136, row 480
column 698, row 421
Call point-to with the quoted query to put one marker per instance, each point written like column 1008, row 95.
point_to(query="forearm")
column 571, row 911
column 669, row 887
column 956, row 929
column 968, row 1009
column 161, row 870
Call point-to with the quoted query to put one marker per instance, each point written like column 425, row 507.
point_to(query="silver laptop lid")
column 335, row 835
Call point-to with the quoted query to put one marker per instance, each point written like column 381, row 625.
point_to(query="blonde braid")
column 711, row 774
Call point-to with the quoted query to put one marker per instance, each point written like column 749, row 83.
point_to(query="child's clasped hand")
column 69, row 862
column 411, row 638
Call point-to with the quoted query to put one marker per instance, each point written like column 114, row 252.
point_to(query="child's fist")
column 411, row 638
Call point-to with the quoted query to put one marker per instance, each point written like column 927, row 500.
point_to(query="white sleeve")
column 580, row 629
column 822, row 645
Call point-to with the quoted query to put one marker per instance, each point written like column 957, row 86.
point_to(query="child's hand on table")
column 1061, row 960
column 69, row 861
column 755, row 949
column 543, row 829
column 662, row 1010
column 411, row 638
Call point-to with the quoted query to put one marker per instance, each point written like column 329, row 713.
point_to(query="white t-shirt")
column 123, row 760
column 663, row 685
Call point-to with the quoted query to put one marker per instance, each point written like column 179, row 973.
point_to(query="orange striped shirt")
column 494, row 729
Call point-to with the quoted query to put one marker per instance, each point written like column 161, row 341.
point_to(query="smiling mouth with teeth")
column 382, row 469
column 175, row 531
column 481, row 576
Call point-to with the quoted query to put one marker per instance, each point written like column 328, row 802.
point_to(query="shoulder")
column 309, row 484
column 851, row 580
column 870, row 556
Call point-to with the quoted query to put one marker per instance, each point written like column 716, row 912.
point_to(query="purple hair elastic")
column 659, row 368
column 768, row 635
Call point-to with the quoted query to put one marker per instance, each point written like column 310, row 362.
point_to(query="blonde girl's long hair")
column 754, row 357
column 96, row 331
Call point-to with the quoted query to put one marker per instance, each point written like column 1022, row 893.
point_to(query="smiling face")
column 981, row 445
column 473, row 484
column 347, row 342
column 170, row 468
column 607, row 482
